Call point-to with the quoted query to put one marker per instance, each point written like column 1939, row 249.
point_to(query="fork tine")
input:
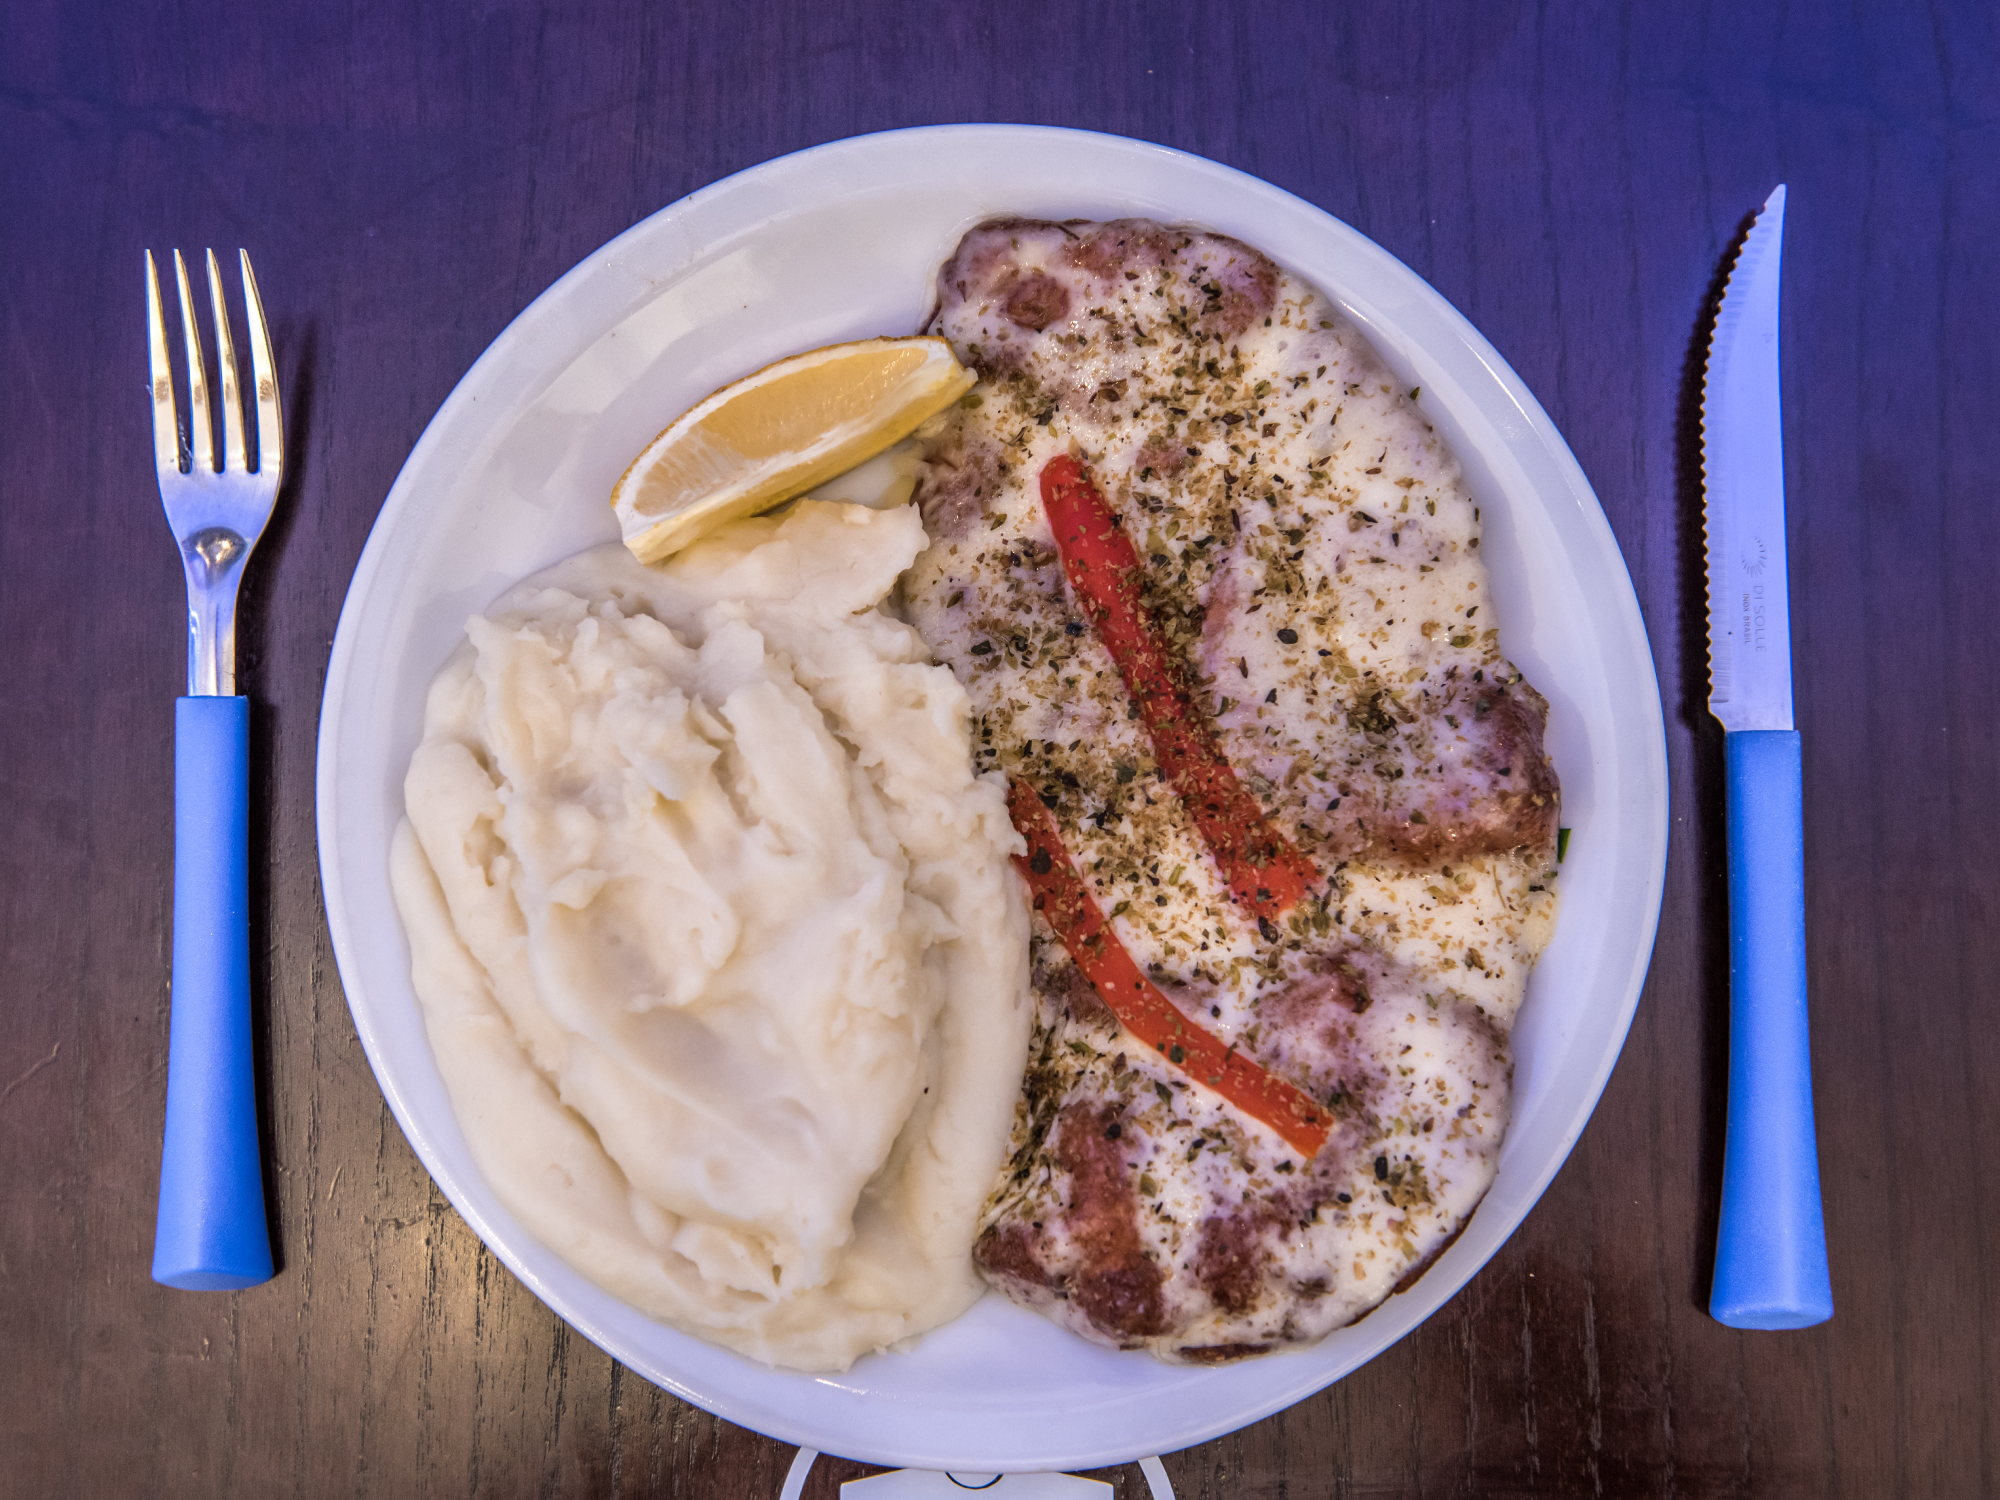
column 225, row 372
column 166, row 422
column 270, row 420
column 201, row 426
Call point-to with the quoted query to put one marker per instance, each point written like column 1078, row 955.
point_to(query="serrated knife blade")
column 1770, row 1255
column 1743, row 468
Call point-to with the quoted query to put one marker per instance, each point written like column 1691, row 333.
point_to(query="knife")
column 1770, row 1254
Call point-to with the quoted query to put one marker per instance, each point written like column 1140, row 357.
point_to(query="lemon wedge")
column 778, row 433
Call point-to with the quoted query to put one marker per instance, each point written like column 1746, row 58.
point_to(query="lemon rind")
column 796, row 473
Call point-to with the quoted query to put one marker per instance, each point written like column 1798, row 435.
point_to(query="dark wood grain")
column 1571, row 176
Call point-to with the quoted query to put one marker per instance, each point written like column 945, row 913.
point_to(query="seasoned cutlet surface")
column 1309, row 557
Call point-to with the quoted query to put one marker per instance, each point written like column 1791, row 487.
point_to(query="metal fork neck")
column 213, row 560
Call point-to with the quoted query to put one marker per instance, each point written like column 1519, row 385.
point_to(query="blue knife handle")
column 212, row 1234
column 1770, row 1256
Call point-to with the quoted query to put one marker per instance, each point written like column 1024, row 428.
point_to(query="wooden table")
column 1569, row 175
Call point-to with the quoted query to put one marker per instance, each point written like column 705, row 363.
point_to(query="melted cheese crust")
column 1313, row 555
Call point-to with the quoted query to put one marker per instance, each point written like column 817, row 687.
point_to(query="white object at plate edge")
column 948, row 1483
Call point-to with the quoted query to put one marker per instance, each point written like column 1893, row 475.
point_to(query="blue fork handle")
column 1770, row 1256
column 212, row 1235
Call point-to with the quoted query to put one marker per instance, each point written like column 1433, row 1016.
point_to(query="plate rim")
column 486, row 380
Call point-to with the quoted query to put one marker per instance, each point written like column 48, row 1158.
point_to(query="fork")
column 212, row 1233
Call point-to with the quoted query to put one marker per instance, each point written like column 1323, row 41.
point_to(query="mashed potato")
column 715, row 934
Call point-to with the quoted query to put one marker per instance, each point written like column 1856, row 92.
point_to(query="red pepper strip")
column 1062, row 898
column 1265, row 871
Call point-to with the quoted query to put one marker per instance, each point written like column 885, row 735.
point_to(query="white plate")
column 843, row 242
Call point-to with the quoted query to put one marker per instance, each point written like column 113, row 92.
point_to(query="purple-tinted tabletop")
column 1571, row 176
